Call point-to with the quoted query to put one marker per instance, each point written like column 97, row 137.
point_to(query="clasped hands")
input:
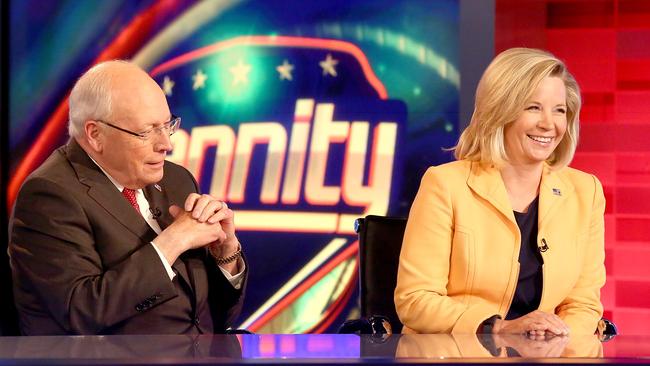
column 203, row 221
column 536, row 324
column 536, row 334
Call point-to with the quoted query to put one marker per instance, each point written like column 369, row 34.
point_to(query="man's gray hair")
column 90, row 98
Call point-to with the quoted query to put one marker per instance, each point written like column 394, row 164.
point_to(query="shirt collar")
column 115, row 183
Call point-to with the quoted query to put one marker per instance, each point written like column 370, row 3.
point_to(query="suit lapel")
column 488, row 184
column 104, row 192
column 552, row 192
column 159, row 204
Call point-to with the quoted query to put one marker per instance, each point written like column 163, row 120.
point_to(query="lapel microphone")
column 543, row 247
column 155, row 212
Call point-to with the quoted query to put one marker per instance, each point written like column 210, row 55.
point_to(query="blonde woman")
column 508, row 239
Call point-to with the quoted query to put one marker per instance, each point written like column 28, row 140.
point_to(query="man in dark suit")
column 102, row 242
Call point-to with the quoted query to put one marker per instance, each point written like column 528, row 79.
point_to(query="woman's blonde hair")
column 502, row 93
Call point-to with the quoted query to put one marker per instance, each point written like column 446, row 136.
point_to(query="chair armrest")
column 606, row 330
column 376, row 324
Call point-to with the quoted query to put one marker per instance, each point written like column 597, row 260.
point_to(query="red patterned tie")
column 129, row 194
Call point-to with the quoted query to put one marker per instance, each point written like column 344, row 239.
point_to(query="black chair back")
column 380, row 242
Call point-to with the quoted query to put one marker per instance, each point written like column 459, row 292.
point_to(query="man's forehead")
column 141, row 103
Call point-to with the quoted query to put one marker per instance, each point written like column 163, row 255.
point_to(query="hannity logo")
column 300, row 154
column 286, row 162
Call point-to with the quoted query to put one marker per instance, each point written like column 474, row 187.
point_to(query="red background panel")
column 633, row 168
column 633, row 13
column 633, row 229
column 597, row 107
column 606, row 45
column 632, row 106
column 628, row 294
column 580, row 14
column 631, row 262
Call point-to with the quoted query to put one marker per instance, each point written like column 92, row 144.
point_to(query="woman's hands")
column 536, row 324
column 530, row 348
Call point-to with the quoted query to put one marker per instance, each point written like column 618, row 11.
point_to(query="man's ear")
column 95, row 138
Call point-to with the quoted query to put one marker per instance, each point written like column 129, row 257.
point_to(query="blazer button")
column 197, row 321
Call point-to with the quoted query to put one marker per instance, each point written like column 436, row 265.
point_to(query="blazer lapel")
column 552, row 192
column 488, row 184
column 104, row 192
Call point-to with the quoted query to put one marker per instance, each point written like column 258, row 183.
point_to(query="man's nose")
column 163, row 141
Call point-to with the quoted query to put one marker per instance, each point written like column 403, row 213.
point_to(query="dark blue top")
column 529, row 286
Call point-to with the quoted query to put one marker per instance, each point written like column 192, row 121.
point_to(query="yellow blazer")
column 459, row 261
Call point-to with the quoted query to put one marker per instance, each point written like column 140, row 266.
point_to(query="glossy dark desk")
column 317, row 349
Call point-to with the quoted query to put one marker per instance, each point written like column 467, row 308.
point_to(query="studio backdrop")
column 301, row 115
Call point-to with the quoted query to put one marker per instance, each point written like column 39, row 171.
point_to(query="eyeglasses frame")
column 174, row 125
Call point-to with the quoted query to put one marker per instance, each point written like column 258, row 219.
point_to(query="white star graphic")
column 328, row 65
column 168, row 85
column 199, row 80
column 285, row 70
column 240, row 73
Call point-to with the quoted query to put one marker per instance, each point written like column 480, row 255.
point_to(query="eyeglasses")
column 168, row 127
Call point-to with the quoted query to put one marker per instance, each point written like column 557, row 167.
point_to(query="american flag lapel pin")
column 557, row 192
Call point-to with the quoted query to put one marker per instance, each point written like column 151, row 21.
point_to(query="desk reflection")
column 342, row 349
column 493, row 346
column 115, row 347
column 266, row 346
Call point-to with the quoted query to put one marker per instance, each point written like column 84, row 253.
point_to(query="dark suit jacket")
column 82, row 261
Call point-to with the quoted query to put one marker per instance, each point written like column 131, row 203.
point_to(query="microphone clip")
column 543, row 247
column 155, row 212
